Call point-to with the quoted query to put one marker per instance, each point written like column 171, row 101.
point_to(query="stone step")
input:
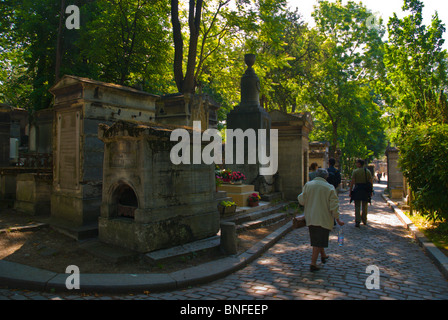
column 188, row 249
column 276, row 196
column 247, row 218
column 224, row 199
column 260, row 218
column 89, row 231
column 222, row 196
column 245, row 214
column 262, row 222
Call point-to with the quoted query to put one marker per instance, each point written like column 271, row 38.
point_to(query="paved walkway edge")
column 18, row 276
column 25, row 228
column 437, row 256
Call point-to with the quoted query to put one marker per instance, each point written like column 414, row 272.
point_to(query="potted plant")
column 218, row 182
column 226, row 175
column 233, row 177
column 237, row 177
column 226, row 207
column 253, row 199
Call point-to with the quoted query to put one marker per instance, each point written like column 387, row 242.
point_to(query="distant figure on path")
column 334, row 175
column 362, row 180
column 379, row 175
column 313, row 169
column 321, row 208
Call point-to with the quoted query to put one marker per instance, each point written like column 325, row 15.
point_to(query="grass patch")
column 435, row 231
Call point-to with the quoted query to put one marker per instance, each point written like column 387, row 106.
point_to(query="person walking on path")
column 334, row 175
column 362, row 191
column 313, row 169
column 321, row 208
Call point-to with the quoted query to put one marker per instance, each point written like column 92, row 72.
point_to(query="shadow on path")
column 405, row 271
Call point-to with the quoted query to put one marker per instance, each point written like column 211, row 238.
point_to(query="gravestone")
column 149, row 203
column 293, row 150
column 13, row 136
column 249, row 115
column 80, row 105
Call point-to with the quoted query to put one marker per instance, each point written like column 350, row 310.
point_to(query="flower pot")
column 253, row 203
column 223, row 210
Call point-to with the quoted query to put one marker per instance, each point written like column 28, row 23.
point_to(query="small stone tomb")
column 149, row 203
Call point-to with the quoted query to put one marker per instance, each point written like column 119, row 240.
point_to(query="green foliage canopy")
column 424, row 162
column 415, row 91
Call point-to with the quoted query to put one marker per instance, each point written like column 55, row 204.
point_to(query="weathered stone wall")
column 8, row 183
column 33, row 192
column 291, row 172
column 293, row 151
column 175, row 203
column 184, row 109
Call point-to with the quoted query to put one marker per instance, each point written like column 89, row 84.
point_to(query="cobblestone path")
column 282, row 273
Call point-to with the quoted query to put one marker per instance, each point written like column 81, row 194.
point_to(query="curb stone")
column 437, row 256
column 30, row 227
column 18, row 276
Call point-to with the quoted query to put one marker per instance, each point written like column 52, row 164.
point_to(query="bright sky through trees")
column 385, row 8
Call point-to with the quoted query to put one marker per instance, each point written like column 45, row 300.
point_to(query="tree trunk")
column 187, row 84
column 59, row 44
column 334, row 143
column 178, row 45
column 194, row 20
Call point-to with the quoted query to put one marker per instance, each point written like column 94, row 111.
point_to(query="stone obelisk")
column 249, row 115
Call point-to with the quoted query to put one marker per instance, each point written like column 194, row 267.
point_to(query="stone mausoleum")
column 148, row 202
column 80, row 105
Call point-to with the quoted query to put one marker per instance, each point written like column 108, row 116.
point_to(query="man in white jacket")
column 321, row 208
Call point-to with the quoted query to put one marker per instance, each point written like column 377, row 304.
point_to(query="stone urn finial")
column 250, row 84
column 249, row 59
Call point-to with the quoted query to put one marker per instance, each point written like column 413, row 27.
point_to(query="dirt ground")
column 48, row 249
